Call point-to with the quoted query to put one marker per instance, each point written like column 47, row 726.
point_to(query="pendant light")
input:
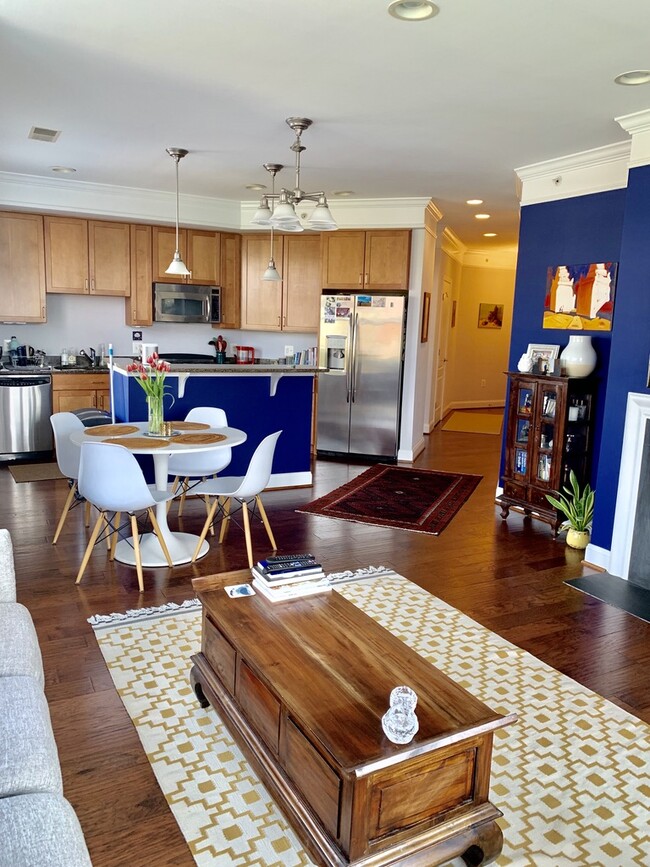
column 177, row 266
column 271, row 272
column 283, row 213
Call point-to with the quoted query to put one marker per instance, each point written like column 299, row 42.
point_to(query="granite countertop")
column 216, row 369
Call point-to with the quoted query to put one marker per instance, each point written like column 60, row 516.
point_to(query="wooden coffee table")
column 303, row 685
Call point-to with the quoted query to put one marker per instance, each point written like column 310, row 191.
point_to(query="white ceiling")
column 445, row 108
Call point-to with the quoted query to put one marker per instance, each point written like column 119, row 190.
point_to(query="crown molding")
column 593, row 171
column 69, row 196
column 638, row 126
column 402, row 213
column 59, row 195
column 502, row 258
column 452, row 245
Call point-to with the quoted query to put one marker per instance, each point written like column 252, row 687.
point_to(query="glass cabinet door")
column 545, row 443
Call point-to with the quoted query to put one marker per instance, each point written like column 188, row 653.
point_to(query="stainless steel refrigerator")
column 361, row 346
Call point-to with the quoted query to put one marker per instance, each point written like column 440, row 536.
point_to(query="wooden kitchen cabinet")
column 230, row 281
column 22, row 268
column 200, row 250
column 549, row 433
column 87, row 257
column 291, row 304
column 376, row 260
column 138, row 308
column 72, row 391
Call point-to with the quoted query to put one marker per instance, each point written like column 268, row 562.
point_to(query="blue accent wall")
column 567, row 232
column 630, row 345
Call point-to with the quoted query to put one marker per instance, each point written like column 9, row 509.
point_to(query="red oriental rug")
column 401, row 498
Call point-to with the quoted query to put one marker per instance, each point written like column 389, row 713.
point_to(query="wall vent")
column 42, row 133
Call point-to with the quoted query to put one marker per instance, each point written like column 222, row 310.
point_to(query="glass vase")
column 156, row 416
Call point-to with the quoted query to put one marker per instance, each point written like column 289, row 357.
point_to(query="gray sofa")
column 37, row 825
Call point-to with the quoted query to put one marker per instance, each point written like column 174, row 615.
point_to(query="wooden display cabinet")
column 549, row 433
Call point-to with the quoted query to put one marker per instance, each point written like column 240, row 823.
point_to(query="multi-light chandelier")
column 279, row 210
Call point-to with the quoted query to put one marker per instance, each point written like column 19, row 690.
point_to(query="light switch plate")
column 136, row 348
column 288, row 350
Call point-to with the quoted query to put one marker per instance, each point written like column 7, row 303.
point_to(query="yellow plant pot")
column 577, row 539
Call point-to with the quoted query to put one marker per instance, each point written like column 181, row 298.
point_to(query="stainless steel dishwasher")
column 25, row 410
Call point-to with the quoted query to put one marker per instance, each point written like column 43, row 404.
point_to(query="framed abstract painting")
column 580, row 297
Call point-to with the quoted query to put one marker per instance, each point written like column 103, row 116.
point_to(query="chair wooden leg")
column 116, row 522
column 64, row 513
column 247, row 533
column 186, row 484
column 269, row 531
column 156, row 529
column 136, row 550
column 225, row 521
column 206, row 498
column 91, row 544
column 206, row 527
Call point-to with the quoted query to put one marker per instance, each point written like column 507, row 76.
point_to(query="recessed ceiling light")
column 413, row 10
column 63, row 170
column 482, row 216
column 635, row 76
column 489, row 234
column 343, row 193
column 255, row 186
column 474, row 202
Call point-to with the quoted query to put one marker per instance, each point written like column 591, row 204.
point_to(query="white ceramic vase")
column 578, row 358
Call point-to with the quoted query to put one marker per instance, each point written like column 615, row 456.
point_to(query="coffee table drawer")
column 261, row 707
column 220, row 654
column 317, row 781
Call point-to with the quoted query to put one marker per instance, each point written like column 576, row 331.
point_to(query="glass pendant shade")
column 284, row 214
column 321, row 218
column 286, row 227
column 262, row 216
column 271, row 272
column 178, row 267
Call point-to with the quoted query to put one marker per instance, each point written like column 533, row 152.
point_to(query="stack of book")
column 289, row 576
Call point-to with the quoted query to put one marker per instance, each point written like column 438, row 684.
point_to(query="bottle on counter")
column 64, row 357
column 13, row 349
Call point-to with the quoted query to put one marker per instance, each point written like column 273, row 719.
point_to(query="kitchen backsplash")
column 78, row 322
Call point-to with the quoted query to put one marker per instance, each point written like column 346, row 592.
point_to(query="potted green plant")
column 578, row 508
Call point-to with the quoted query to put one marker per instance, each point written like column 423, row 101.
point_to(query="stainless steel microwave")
column 180, row 302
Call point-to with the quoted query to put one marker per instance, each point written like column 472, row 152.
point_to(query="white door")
column 444, row 324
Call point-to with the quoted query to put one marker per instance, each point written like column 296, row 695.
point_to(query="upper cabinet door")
column 301, row 276
column 230, row 280
column 109, row 255
column 164, row 246
column 138, row 308
column 387, row 260
column 22, row 268
column 203, row 257
column 261, row 299
column 342, row 259
column 66, row 255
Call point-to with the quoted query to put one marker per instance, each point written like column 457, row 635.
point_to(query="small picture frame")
column 426, row 309
column 544, row 357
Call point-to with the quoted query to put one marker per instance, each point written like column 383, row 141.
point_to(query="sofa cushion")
column 29, row 761
column 7, row 573
column 40, row 829
column 19, row 650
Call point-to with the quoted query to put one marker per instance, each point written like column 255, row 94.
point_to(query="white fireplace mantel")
column 636, row 416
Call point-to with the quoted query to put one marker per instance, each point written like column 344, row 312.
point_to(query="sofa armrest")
column 7, row 573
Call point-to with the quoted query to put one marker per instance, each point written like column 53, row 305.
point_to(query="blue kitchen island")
column 258, row 399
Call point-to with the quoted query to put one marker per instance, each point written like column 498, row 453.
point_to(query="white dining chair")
column 67, row 458
column 111, row 477
column 188, row 469
column 243, row 490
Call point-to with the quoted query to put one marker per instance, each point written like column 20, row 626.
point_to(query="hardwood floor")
column 506, row 575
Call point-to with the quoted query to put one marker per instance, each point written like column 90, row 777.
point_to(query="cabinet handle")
column 92, row 285
column 360, row 279
column 279, row 322
column 366, row 278
column 284, row 320
column 86, row 284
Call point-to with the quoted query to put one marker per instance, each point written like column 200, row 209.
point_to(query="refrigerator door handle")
column 348, row 365
column 353, row 364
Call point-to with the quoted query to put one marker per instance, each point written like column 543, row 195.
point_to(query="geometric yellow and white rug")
column 571, row 775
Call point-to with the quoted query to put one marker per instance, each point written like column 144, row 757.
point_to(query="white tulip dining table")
column 181, row 545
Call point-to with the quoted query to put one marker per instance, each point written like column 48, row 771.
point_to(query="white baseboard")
column 598, row 557
column 474, row 404
column 409, row 455
column 290, row 480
